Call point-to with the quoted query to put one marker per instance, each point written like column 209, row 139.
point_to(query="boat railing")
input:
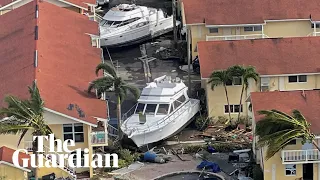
column 129, row 113
column 162, row 122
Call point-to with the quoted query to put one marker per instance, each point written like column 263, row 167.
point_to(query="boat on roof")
column 128, row 24
column 163, row 110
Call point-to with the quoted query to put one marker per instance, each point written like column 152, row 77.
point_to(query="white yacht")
column 163, row 110
column 128, row 24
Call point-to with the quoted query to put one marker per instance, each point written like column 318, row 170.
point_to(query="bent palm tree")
column 23, row 116
column 276, row 129
column 245, row 73
column 218, row 78
column 112, row 81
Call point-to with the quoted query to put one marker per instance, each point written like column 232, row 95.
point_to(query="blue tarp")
column 149, row 156
column 209, row 165
column 211, row 149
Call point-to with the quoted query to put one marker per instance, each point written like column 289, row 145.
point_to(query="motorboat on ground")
column 162, row 111
column 128, row 24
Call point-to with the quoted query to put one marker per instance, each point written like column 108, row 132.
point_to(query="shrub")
column 202, row 122
column 193, row 148
column 257, row 172
column 222, row 119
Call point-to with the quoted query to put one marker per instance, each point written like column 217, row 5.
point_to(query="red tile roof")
column 80, row 3
column 223, row 12
column 17, row 51
column 307, row 104
column 66, row 59
column 269, row 56
column 7, row 153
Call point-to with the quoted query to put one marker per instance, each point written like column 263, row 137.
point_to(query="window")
column 233, row 108
column 140, row 108
column 317, row 25
column 163, row 109
column 129, row 21
column 74, row 132
column 213, row 30
column 179, row 101
column 291, row 170
column 236, row 81
column 293, row 142
column 300, row 78
column 253, row 28
column 150, row 109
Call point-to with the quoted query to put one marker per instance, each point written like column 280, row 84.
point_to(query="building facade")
column 207, row 20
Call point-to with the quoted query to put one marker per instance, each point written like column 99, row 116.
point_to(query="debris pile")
column 219, row 133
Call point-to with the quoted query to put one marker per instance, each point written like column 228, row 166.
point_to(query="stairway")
column 66, row 166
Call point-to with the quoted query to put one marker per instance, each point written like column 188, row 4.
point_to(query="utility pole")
column 174, row 14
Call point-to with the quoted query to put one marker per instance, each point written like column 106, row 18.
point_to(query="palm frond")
column 36, row 102
column 108, row 68
column 102, row 84
column 219, row 78
column 133, row 90
column 13, row 129
column 276, row 129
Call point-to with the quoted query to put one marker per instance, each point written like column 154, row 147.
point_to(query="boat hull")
column 169, row 129
column 138, row 35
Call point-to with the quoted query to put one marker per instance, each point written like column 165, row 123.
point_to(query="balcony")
column 236, row 37
column 99, row 138
column 300, row 156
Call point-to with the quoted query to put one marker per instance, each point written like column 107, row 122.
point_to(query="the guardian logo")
column 55, row 157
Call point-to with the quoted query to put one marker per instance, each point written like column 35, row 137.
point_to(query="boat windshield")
column 150, row 109
column 109, row 23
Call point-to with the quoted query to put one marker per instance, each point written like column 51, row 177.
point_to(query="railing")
column 99, row 137
column 112, row 131
column 316, row 33
column 164, row 121
column 129, row 113
column 300, row 156
column 28, row 145
column 65, row 167
column 236, row 37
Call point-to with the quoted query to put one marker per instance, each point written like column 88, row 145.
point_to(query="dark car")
column 196, row 65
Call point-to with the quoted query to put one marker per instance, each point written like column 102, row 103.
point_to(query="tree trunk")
column 35, row 152
column 225, row 89
column 315, row 144
column 119, row 116
column 240, row 102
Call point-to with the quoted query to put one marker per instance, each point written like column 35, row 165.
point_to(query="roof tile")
column 66, row 59
column 307, row 102
column 269, row 56
column 226, row 12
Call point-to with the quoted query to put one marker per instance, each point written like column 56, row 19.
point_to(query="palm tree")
column 245, row 73
column 218, row 78
column 111, row 81
column 276, row 129
column 23, row 116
